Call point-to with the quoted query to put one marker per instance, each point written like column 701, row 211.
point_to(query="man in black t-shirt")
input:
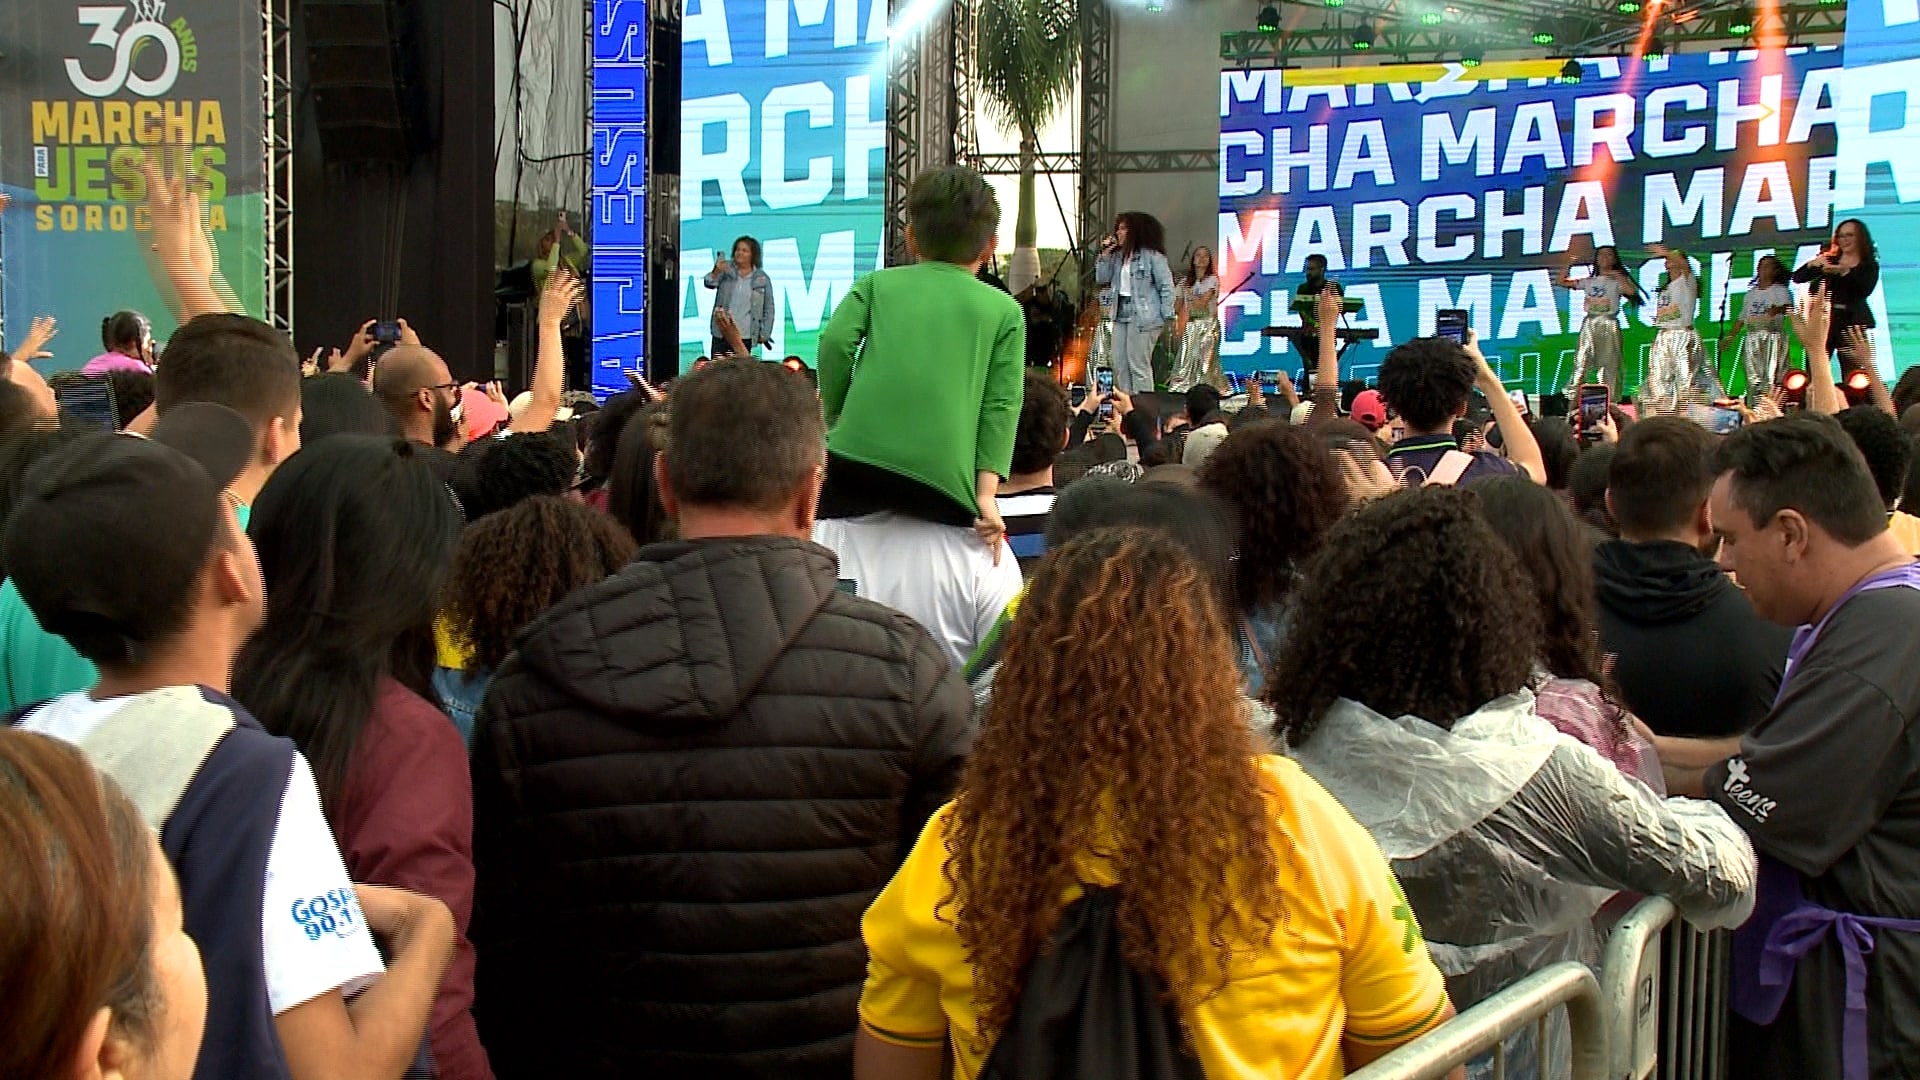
column 1828, row 783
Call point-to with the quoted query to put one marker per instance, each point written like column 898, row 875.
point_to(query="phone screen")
column 386, row 333
column 1077, row 395
column 1593, row 409
column 89, row 400
column 1519, row 399
column 1270, row 383
column 1451, row 323
column 1722, row 420
column 1103, row 381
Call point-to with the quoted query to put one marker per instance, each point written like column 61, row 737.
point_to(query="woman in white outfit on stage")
column 1763, row 341
column 1674, row 362
column 1597, row 357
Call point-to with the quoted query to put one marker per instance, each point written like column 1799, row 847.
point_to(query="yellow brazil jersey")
column 1347, row 961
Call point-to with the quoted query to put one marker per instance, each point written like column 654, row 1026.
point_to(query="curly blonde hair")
column 1089, row 746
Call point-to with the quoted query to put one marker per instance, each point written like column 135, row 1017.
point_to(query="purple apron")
column 1786, row 926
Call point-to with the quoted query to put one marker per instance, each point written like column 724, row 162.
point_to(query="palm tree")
column 1026, row 56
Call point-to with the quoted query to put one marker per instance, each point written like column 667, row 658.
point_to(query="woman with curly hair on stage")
column 1404, row 690
column 1100, row 789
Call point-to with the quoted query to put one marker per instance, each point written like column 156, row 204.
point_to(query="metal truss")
column 904, row 120
column 277, row 162
column 962, row 16
column 1704, row 25
column 1096, row 126
column 1114, row 162
column 1483, row 26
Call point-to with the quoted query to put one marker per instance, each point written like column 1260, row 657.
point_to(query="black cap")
column 112, row 531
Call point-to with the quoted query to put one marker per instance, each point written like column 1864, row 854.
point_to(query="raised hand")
column 1810, row 322
column 360, row 347
column 34, row 345
column 561, row 294
column 174, row 206
column 1326, row 307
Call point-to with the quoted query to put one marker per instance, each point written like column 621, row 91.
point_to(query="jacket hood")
column 686, row 633
column 1659, row 582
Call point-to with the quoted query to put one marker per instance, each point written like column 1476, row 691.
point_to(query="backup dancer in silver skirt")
column 1763, row 347
column 1597, row 356
column 1196, row 357
column 1674, row 363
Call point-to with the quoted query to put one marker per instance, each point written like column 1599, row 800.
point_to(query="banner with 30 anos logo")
column 92, row 97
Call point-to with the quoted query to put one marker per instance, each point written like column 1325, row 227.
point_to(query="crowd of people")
column 365, row 724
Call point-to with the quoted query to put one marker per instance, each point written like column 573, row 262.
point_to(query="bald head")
column 404, row 369
column 412, row 381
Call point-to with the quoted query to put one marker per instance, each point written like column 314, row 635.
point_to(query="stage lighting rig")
column 1269, row 20
column 1571, row 73
column 1656, row 46
column 1740, row 21
column 1363, row 37
column 1472, row 56
column 1544, row 35
column 1627, row 7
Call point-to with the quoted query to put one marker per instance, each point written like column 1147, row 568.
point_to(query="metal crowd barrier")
column 1659, row 1008
column 1666, row 996
column 1487, row 1025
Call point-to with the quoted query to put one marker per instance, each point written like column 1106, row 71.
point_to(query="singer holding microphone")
column 1851, row 269
column 1133, row 268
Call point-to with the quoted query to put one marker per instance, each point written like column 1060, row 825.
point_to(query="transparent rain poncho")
column 1508, row 836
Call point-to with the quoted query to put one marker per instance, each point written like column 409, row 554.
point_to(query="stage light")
column 1793, row 388
column 1269, row 21
column 1155, row 7
column 1740, row 23
column 1543, row 35
column 1335, row 3
column 1570, row 75
column 1627, row 7
column 1655, row 47
column 1855, row 387
column 1363, row 36
column 1432, row 18
column 1831, row 3
column 1472, row 56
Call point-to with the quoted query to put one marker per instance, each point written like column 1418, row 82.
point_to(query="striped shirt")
column 1026, row 516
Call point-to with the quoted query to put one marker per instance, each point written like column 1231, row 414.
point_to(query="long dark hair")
column 1463, row 630
column 355, row 537
column 1619, row 271
column 1558, row 560
column 1144, row 232
column 1760, row 276
column 1193, row 265
column 633, row 498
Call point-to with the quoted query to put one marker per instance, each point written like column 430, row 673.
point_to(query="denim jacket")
column 1151, row 289
column 759, row 327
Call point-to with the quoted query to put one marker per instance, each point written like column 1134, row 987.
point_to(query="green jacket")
column 570, row 252
column 921, row 369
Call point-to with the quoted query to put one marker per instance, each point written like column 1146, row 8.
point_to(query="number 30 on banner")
column 106, row 33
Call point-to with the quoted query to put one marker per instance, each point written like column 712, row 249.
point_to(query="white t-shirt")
column 1753, row 307
column 1674, row 309
column 1602, row 295
column 941, row 576
column 313, row 938
column 1126, row 277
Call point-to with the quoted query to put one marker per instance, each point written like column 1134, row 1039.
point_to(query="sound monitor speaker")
column 363, row 78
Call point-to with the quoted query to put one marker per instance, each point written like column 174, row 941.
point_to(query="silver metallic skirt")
column 1597, row 357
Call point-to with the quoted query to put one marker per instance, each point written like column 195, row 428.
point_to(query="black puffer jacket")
column 689, row 784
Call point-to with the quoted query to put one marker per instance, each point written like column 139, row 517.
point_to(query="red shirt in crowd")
column 405, row 818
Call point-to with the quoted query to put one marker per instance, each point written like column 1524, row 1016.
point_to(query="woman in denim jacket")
column 1132, row 268
column 746, row 293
